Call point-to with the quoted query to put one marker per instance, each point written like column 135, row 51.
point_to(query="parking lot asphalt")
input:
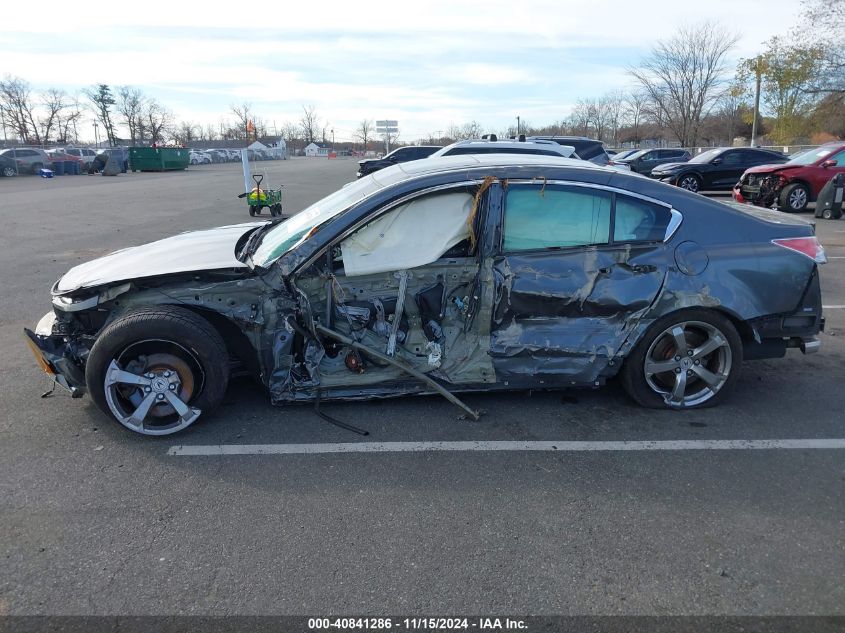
column 96, row 520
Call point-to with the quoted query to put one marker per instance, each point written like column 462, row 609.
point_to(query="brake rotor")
column 158, row 364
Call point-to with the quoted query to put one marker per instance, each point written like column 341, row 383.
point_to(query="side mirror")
column 716, row 161
column 829, row 163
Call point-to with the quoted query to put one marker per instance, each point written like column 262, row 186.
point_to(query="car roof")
column 445, row 164
column 509, row 144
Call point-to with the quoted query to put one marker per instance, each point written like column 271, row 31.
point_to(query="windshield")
column 286, row 235
column 706, row 157
column 810, row 156
column 636, row 154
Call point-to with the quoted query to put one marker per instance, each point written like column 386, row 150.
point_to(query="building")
column 318, row 149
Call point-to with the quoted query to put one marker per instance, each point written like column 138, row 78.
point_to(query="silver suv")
column 491, row 145
column 29, row 159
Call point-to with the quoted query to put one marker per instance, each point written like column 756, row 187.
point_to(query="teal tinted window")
column 538, row 217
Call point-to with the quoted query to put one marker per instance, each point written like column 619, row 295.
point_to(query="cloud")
column 428, row 64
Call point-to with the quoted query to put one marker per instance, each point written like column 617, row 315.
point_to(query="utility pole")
column 517, row 125
column 96, row 137
column 332, row 138
column 759, row 72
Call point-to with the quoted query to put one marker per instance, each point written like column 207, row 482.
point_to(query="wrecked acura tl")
column 469, row 273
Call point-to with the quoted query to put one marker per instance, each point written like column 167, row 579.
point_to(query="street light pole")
column 517, row 125
column 332, row 138
column 758, row 72
column 96, row 137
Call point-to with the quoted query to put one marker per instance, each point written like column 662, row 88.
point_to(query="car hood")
column 669, row 167
column 210, row 249
column 771, row 168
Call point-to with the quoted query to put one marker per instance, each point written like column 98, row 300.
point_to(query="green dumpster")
column 158, row 158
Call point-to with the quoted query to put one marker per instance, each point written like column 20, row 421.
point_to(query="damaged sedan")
column 460, row 274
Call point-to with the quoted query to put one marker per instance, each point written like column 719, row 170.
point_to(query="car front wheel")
column 794, row 198
column 9, row 171
column 158, row 369
column 690, row 182
column 687, row 360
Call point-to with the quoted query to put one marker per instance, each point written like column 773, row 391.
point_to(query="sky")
column 427, row 64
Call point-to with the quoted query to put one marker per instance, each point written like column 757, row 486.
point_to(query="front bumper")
column 55, row 356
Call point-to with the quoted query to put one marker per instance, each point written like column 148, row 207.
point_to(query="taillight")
column 809, row 246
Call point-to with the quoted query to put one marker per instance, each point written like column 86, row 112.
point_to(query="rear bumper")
column 773, row 335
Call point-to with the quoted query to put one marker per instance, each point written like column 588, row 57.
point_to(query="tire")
column 829, row 214
column 193, row 161
column 8, row 171
column 794, row 198
column 173, row 355
column 36, row 167
column 690, row 182
column 706, row 377
column 252, row 211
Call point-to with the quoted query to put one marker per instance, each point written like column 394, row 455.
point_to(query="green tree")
column 102, row 100
column 788, row 71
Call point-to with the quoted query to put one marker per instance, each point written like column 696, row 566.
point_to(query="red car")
column 794, row 184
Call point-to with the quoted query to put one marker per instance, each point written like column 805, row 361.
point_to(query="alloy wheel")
column 149, row 393
column 798, row 198
column 688, row 363
column 690, row 183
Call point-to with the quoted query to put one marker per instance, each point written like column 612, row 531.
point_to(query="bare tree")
column 130, row 106
column 185, row 132
column 243, row 115
column 53, row 102
column 67, row 120
column 683, row 75
column 828, row 34
column 466, row 131
column 636, row 105
column 18, row 107
column 581, row 117
column 309, row 124
column 157, row 121
column 364, row 132
column 614, row 103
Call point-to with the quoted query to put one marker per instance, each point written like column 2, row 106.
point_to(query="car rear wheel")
column 690, row 182
column 687, row 360
column 794, row 198
column 157, row 370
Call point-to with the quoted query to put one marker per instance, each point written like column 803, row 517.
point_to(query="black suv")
column 717, row 168
column 585, row 148
column 401, row 155
column 645, row 160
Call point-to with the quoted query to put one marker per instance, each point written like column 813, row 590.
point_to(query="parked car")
column 719, row 168
column 8, row 167
column 623, row 154
column 566, row 276
column 585, row 148
column 794, row 184
column 495, row 146
column 85, row 154
column 30, row 159
column 198, row 157
column 645, row 160
column 399, row 155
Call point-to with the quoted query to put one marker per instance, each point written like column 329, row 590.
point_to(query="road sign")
column 387, row 127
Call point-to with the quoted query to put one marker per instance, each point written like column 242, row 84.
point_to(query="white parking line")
column 421, row 447
column 833, row 307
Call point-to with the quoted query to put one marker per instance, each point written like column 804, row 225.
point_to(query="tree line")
column 682, row 93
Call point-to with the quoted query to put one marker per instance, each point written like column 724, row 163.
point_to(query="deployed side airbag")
column 411, row 235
